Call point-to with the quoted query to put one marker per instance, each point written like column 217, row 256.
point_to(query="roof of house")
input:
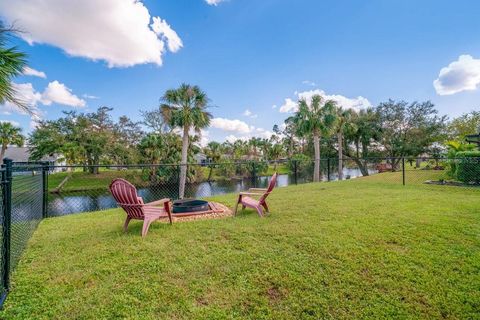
column 21, row 154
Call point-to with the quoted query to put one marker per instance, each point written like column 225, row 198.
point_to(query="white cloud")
column 250, row 114
column 163, row 30
column 34, row 73
column 31, row 97
column 288, row 106
column 460, row 75
column 230, row 125
column 119, row 32
column 204, row 138
column 309, row 83
column 26, row 94
column 14, row 123
column 274, row 106
column 254, row 132
column 214, row 2
column 232, row 138
column 57, row 92
column 342, row 101
column 262, row 133
column 89, row 96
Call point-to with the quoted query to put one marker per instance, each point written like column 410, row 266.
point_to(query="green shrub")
column 468, row 166
column 301, row 163
column 253, row 168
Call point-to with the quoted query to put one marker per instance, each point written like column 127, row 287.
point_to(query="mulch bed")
column 217, row 211
column 450, row 183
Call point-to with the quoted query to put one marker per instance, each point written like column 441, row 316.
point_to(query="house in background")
column 22, row 154
column 200, row 158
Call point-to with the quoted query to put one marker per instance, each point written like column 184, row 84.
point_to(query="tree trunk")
column 361, row 165
column 183, row 164
column 316, row 145
column 2, row 153
column 210, row 173
column 340, row 155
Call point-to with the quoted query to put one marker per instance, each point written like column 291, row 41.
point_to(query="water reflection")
column 62, row 204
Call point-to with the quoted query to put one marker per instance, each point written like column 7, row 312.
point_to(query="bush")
column 468, row 166
column 253, row 168
column 226, row 169
column 303, row 163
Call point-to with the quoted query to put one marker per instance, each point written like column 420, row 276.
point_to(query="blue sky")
column 246, row 54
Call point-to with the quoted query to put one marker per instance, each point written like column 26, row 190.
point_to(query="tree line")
column 170, row 133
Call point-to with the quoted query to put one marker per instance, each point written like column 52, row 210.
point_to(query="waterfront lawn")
column 84, row 181
column 364, row 248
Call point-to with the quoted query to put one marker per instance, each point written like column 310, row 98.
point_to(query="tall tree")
column 344, row 117
column 409, row 129
column 154, row 120
column 9, row 134
column 12, row 63
column 127, row 134
column 213, row 151
column 185, row 108
column 363, row 133
column 466, row 124
column 315, row 120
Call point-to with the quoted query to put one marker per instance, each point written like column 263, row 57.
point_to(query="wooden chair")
column 126, row 196
column 246, row 200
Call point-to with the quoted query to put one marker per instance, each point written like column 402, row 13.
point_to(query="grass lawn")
column 80, row 181
column 364, row 248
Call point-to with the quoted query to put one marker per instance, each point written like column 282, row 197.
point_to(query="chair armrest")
column 257, row 190
column 158, row 202
column 250, row 194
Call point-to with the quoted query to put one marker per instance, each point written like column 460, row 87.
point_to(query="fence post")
column 7, row 220
column 45, row 170
column 254, row 174
column 295, row 171
column 328, row 169
column 403, row 170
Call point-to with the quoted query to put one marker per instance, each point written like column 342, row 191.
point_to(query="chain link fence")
column 32, row 191
column 74, row 189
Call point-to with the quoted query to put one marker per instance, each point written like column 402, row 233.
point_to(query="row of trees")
column 392, row 129
column 95, row 138
column 318, row 129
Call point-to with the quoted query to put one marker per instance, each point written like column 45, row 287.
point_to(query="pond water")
column 93, row 200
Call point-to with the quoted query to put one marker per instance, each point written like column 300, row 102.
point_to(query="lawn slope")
column 365, row 248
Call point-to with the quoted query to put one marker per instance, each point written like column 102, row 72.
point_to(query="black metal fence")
column 32, row 191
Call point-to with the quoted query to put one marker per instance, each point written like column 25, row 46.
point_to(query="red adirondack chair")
column 246, row 200
column 126, row 196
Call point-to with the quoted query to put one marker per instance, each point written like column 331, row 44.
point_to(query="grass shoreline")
column 364, row 248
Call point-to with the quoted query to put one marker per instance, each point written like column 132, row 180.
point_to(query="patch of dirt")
column 201, row 301
column 274, row 294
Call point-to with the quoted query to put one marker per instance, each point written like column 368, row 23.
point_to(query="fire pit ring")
column 190, row 206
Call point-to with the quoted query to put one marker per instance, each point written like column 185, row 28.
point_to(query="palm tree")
column 9, row 134
column 364, row 130
column 185, row 108
column 254, row 143
column 344, row 117
column 316, row 119
column 275, row 151
column 213, row 151
column 12, row 63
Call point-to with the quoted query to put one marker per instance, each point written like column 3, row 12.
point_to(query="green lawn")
column 364, row 248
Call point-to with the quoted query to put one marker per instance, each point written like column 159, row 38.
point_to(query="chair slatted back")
column 271, row 185
column 126, row 196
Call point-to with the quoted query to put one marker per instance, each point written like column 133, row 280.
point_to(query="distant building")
column 200, row 158
column 22, row 154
